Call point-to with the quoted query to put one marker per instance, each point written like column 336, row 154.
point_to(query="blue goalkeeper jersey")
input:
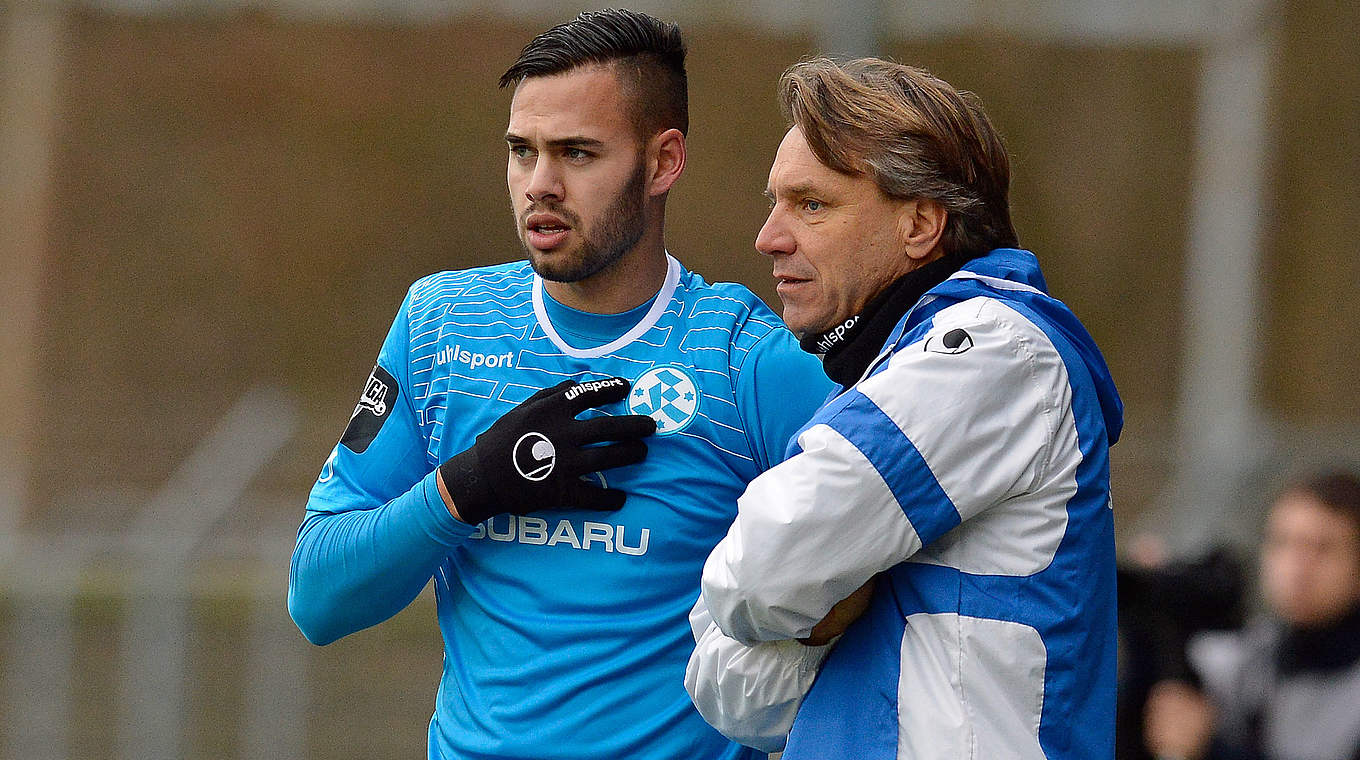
column 565, row 631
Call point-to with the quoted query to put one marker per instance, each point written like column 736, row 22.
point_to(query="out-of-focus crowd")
column 1210, row 669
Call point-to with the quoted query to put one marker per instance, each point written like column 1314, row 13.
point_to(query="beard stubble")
column 619, row 229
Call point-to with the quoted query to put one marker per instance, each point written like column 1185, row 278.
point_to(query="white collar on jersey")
column 663, row 299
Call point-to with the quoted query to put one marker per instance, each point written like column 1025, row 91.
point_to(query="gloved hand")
column 534, row 456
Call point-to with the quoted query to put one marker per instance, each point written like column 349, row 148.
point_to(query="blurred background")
column 211, row 209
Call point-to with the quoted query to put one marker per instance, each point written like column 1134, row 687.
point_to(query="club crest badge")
column 668, row 395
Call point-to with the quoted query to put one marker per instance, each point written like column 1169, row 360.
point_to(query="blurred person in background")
column 953, row 499
column 1287, row 687
column 562, row 601
column 1164, row 604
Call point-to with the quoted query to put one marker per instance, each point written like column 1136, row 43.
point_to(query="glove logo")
column 668, row 395
column 534, row 456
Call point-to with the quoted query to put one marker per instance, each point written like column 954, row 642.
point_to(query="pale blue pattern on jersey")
column 565, row 632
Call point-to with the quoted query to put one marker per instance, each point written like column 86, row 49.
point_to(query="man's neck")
column 626, row 283
column 849, row 347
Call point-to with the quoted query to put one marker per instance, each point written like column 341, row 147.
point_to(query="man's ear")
column 920, row 226
column 665, row 161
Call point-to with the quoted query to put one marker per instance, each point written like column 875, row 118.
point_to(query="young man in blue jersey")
column 497, row 447
column 954, row 494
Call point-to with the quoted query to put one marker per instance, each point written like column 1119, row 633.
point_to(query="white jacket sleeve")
column 749, row 693
column 891, row 466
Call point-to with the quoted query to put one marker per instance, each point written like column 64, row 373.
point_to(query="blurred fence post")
column 1221, row 435
column 39, row 658
column 276, row 697
column 30, row 63
column 198, row 495
column 851, row 28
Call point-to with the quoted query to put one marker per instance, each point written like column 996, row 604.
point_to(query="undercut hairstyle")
column 1336, row 489
column 647, row 55
column 914, row 135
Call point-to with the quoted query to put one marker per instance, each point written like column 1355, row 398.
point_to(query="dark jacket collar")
column 851, row 346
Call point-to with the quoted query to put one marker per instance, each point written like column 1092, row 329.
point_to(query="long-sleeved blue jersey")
column 565, row 632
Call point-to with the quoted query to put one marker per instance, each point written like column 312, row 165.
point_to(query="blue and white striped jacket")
column 968, row 470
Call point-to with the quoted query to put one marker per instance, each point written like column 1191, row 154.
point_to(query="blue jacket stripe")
column 1086, row 724
column 869, row 429
column 868, row 692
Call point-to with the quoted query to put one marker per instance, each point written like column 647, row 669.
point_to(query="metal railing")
column 154, row 563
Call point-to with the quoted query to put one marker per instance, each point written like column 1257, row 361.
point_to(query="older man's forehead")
column 797, row 172
column 794, row 163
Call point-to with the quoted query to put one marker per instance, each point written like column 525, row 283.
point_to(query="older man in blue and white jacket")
column 930, row 573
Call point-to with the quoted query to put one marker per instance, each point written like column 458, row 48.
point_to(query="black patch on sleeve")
column 374, row 407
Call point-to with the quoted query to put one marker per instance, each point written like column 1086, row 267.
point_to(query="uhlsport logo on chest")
column 456, row 354
column 668, row 395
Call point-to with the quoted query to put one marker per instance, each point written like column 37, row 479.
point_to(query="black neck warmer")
column 849, row 347
column 1335, row 646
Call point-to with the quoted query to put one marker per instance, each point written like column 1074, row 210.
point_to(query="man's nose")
column 774, row 238
column 545, row 182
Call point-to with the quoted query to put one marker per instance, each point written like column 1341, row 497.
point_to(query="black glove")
column 534, row 456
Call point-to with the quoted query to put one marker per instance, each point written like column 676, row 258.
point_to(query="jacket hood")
column 1011, row 274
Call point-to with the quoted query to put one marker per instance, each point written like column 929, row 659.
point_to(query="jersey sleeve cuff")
column 436, row 520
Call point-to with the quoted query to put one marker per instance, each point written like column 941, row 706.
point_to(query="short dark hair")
column 647, row 54
column 1335, row 488
column 914, row 135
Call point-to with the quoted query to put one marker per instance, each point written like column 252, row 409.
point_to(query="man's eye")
column 812, row 205
column 519, row 151
column 576, row 154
